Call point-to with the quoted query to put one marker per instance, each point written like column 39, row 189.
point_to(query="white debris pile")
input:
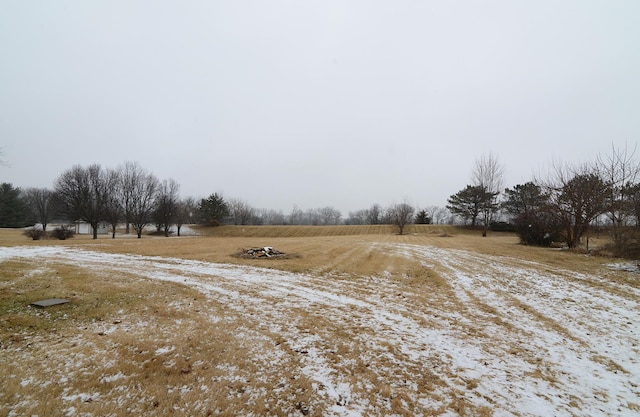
column 263, row 252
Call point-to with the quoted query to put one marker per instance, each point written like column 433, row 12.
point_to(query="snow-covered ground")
column 507, row 337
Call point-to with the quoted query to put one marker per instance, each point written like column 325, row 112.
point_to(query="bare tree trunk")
column 488, row 173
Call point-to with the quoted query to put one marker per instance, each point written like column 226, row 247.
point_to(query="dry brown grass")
column 156, row 339
column 167, row 349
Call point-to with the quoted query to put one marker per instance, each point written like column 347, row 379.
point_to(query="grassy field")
column 360, row 321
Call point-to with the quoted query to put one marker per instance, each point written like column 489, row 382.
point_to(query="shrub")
column 35, row 233
column 62, row 233
column 502, row 227
column 627, row 243
column 537, row 230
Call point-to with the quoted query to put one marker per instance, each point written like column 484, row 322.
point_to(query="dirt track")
column 481, row 335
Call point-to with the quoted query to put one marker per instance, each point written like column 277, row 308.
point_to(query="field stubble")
column 431, row 323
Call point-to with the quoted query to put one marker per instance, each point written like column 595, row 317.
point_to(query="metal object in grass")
column 49, row 302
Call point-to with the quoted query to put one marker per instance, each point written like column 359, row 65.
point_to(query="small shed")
column 84, row 228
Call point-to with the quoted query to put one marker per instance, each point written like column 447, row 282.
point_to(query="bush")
column 62, row 233
column 537, row 230
column 502, row 227
column 627, row 243
column 35, row 233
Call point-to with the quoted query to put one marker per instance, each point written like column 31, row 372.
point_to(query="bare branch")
column 488, row 173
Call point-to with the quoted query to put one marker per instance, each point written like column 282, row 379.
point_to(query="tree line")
column 128, row 194
column 133, row 196
column 561, row 206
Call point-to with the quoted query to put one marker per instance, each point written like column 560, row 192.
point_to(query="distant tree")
column 620, row 171
column 357, row 217
column 271, row 217
column 633, row 203
column 82, row 194
column 488, row 209
column 14, row 211
column 275, row 217
column 526, row 199
column 40, row 201
column 241, row 212
column 166, row 205
column 422, row 217
column 212, row 210
column 329, row 216
column 400, row 215
column 185, row 212
column 114, row 210
column 488, row 176
column 312, row 217
column 317, row 217
column 529, row 210
column 296, row 217
column 439, row 215
column 467, row 203
column 374, row 215
column 580, row 201
column 132, row 180
column 142, row 200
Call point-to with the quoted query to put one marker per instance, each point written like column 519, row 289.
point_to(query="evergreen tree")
column 14, row 211
column 468, row 202
column 423, row 217
column 530, row 212
column 212, row 210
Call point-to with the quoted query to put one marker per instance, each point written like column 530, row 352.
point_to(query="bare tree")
column 316, row 217
column 185, row 212
column 142, row 201
column 296, row 216
column 312, row 217
column 577, row 196
column 488, row 174
column 357, row 217
column 240, row 211
column 40, row 200
column 166, row 204
column 620, row 171
column 439, row 215
column 329, row 216
column 374, row 214
column 634, row 204
column 131, row 175
column 82, row 194
column 114, row 207
column 270, row 217
column 400, row 215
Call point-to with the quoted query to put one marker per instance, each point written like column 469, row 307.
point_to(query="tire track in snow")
column 581, row 338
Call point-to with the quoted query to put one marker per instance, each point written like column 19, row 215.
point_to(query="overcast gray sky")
column 315, row 103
